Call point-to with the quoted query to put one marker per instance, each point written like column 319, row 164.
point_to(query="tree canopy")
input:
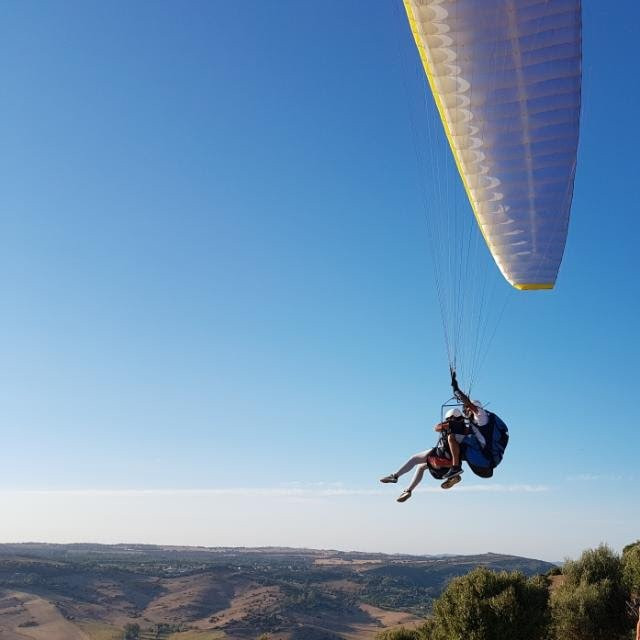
column 588, row 601
column 591, row 602
column 631, row 568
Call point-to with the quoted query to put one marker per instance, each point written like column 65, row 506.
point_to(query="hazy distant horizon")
column 267, row 548
column 260, row 517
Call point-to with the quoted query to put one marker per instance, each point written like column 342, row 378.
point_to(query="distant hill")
column 91, row 592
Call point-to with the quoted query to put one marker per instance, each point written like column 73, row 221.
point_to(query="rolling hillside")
column 91, row 592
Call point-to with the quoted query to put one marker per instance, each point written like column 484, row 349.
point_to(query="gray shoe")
column 404, row 496
column 390, row 478
column 454, row 471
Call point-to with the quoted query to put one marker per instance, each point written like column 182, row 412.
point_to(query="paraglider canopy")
column 501, row 134
column 506, row 79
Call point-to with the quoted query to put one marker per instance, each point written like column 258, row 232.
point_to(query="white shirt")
column 479, row 418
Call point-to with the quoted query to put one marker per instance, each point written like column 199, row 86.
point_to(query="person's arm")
column 461, row 395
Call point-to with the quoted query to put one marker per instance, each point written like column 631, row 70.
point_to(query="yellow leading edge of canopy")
column 441, row 111
column 532, row 287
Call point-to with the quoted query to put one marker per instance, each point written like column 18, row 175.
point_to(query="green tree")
column 591, row 602
column 420, row 633
column 486, row 605
column 631, row 568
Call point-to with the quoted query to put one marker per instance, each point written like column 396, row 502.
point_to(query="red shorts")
column 437, row 462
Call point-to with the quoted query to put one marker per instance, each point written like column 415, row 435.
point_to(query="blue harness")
column 484, row 459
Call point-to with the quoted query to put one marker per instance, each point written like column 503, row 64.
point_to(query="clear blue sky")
column 217, row 300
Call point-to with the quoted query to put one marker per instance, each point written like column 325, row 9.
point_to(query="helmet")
column 453, row 413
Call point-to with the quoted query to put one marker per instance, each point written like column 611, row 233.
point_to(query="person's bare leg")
column 456, row 468
column 418, row 458
column 454, row 447
column 417, row 478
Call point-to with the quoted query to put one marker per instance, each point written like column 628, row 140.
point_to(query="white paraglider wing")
column 506, row 78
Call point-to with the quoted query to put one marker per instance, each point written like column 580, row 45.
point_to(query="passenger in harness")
column 480, row 441
column 483, row 447
column 440, row 460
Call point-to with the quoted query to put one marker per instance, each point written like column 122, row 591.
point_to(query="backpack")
column 496, row 435
column 483, row 460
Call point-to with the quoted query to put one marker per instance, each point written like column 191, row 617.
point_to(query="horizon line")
column 295, row 492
